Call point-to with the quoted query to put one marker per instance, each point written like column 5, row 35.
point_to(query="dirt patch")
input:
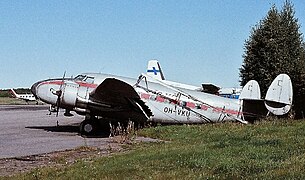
column 11, row 166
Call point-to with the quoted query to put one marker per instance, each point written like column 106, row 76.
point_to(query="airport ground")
column 268, row 149
column 31, row 138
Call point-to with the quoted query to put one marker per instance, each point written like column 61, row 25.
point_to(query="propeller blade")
column 62, row 81
column 59, row 93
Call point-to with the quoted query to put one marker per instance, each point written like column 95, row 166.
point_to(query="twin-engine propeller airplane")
column 154, row 70
column 104, row 98
column 25, row 97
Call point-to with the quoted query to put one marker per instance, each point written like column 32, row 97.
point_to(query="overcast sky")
column 195, row 41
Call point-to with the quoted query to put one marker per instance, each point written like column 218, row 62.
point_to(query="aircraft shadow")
column 68, row 129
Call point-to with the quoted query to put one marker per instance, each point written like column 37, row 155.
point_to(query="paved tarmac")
column 29, row 130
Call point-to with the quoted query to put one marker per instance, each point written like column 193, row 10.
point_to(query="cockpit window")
column 89, row 80
column 84, row 78
column 80, row 78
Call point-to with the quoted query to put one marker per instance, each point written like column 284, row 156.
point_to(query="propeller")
column 59, row 93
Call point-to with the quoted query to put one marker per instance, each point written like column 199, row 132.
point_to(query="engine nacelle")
column 69, row 94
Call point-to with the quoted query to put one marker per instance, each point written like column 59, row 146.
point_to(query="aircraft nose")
column 34, row 89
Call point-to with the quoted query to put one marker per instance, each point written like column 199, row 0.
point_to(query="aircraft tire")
column 87, row 127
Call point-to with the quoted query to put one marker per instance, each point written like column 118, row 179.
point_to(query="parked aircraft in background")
column 104, row 98
column 232, row 93
column 25, row 97
column 154, row 70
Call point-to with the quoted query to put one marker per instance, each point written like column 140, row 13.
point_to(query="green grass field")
column 15, row 101
column 264, row 150
column 11, row 101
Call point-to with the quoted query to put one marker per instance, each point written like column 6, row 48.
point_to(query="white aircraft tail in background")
column 154, row 70
column 26, row 97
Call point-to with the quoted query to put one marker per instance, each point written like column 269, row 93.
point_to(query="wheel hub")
column 88, row 128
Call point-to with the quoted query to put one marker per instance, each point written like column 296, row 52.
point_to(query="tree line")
column 276, row 46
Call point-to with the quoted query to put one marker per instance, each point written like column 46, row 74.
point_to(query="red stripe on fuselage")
column 89, row 85
column 58, row 82
column 192, row 105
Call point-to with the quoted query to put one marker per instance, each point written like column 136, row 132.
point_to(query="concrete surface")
column 28, row 130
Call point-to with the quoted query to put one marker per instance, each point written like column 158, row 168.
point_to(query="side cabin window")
column 153, row 97
column 183, row 103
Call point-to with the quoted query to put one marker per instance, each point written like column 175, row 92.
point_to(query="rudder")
column 154, row 70
column 279, row 95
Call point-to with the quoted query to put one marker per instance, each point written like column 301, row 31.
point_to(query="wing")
column 114, row 95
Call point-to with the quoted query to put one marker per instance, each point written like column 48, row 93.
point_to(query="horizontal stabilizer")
column 279, row 95
column 251, row 91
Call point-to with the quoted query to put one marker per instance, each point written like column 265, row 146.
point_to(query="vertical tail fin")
column 279, row 95
column 278, row 100
column 154, row 70
column 251, row 91
column 14, row 94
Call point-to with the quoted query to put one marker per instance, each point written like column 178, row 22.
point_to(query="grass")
column 264, row 150
column 15, row 101
column 11, row 101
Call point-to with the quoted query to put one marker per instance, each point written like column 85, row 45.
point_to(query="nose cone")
column 34, row 89
column 45, row 90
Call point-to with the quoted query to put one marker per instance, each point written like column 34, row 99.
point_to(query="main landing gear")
column 93, row 126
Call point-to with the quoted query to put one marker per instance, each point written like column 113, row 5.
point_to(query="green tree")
column 276, row 46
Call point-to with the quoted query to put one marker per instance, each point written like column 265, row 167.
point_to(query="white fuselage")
column 167, row 104
column 26, row 97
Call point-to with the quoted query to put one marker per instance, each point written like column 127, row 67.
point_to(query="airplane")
column 25, row 97
column 154, row 70
column 232, row 93
column 105, row 98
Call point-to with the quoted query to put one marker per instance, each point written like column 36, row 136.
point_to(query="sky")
column 195, row 41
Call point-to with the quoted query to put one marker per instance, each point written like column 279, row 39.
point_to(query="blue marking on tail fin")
column 154, row 70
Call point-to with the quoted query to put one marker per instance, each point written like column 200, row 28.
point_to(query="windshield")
column 84, row 78
column 80, row 78
column 89, row 79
